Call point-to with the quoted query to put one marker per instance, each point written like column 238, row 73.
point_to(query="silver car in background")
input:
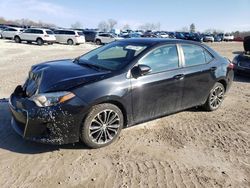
column 69, row 37
column 10, row 32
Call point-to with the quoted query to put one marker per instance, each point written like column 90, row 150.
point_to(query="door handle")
column 213, row 68
column 179, row 77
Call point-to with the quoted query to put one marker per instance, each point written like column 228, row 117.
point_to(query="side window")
column 33, row 31
column 39, row 31
column 11, row 29
column 193, row 55
column 208, row 56
column 162, row 59
column 27, row 31
column 56, row 32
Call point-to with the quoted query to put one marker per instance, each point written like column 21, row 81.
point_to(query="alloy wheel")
column 217, row 96
column 104, row 126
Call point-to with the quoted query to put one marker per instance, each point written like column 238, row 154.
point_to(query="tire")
column 95, row 131
column 70, row 42
column 98, row 42
column 17, row 39
column 39, row 41
column 215, row 97
column 50, row 43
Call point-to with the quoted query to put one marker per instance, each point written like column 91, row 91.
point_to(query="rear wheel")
column 70, row 42
column 17, row 39
column 102, row 125
column 215, row 97
column 39, row 41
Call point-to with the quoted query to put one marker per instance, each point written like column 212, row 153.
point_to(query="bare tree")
column 213, row 31
column 184, row 29
column 150, row 26
column 192, row 28
column 112, row 23
column 76, row 25
column 126, row 27
column 103, row 26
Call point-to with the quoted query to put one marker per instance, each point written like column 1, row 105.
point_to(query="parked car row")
column 41, row 35
column 79, row 36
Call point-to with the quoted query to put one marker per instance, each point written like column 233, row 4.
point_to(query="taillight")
column 46, row 35
column 77, row 36
column 231, row 65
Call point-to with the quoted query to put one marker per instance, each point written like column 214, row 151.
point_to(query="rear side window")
column 37, row 31
column 193, row 55
column 69, row 32
column 162, row 59
column 49, row 32
column 208, row 56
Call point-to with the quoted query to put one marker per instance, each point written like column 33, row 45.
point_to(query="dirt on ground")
column 192, row 148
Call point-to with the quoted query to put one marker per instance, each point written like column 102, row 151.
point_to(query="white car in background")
column 69, row 37
column 10, row 32
column 208, row 38
column 40, row 36
column 104, row 38
column 228, row 37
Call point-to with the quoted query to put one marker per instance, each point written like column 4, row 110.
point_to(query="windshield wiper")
column 90, row 65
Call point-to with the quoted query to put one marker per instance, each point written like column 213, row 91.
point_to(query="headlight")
column 50, row 99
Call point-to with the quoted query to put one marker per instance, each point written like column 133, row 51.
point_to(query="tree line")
column 107, row 25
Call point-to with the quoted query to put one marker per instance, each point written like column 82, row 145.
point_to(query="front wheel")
column 215, row 97
column 102, row 125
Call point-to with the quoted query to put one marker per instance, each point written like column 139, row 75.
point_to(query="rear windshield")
column 49, row 32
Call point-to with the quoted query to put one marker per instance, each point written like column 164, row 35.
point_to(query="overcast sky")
column 226, row 15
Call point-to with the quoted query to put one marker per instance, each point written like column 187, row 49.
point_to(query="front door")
column 160, row 91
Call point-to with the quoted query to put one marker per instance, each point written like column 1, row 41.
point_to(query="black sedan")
column 91, row 98
column 242, row 61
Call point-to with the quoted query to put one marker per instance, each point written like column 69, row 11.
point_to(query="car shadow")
column 241, row 78
column 11, row 141
column 238, row 52
column 24, row 43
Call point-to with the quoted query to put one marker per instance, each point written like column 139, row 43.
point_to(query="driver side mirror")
column 140, row 70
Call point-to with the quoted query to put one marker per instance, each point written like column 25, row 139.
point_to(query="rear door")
column 199, row 69
column 160, row 91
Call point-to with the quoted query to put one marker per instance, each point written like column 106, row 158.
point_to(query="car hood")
column 60, row 75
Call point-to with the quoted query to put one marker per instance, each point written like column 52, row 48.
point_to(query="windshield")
column 113, row 56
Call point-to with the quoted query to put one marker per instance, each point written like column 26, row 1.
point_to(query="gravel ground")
column 188, row 149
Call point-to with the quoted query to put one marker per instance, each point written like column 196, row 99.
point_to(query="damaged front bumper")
column 58, row 124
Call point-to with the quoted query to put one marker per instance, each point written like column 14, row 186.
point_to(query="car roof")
column 155, row 41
